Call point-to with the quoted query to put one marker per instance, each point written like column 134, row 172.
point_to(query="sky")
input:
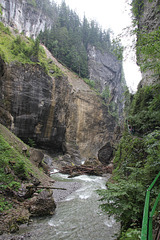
column 116, row 15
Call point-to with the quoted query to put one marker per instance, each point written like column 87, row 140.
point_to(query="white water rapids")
column 77, row 216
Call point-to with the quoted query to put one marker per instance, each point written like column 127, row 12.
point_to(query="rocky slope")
column 19, row 178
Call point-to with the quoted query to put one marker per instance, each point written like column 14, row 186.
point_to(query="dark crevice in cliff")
column 2, row 68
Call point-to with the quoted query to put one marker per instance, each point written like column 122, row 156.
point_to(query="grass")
column 18, row 48
column 15, row 167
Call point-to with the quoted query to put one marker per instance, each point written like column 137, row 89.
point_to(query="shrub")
column 131, row 234
column 124, row 200
column 91, row 83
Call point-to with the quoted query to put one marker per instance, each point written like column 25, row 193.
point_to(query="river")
column 77, row 216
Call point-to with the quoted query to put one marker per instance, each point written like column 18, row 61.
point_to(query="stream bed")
column 77, row 216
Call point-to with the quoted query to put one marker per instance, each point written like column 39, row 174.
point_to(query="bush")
column 4, row 205
column 91, row 83
column 20, row 170
column 131, row 234
column 144, row 114
column 124, row 200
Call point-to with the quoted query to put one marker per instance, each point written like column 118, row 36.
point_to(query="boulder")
column 42, row 204
column 105, row 154
column 36, row 156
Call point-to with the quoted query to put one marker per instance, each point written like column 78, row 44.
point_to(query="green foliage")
column 10, row 160
column 148, row 50
column 137, row 8
column 20, row 170
column 124, row 200
column 130, row 153
column 21, row 49
column 144, row 114
column 131, row 234
column 4, row 205
column 106, row 94
column 31, row 142
column 152, row 148
column 0, row 10
column 136, row 162
column 4, row 29
column 48, row 7
column 117, row 48
column 32, row 2
column 25, row 51
column 69, row 39
column 91, row 83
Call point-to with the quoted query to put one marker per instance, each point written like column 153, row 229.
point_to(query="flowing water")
column 77, row 216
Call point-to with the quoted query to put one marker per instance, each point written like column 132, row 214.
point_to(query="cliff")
column 62, row 114
column 25, row 17
column 106, row 71
column 148, row 23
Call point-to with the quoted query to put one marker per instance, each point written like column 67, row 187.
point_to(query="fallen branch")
column 41, row 187
column 86, row 169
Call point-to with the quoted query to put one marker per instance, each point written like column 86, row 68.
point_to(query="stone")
column 26, row 191
column 105, row 154
column 43, row 204
column 36, row 156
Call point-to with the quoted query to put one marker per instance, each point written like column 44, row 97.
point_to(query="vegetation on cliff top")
column 69, row 39
column 17, row 48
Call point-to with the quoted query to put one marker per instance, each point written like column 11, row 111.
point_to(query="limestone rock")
column 105, row 69
column 25, row 17
column 61, row 115
column 43, row 204
column 26, row 191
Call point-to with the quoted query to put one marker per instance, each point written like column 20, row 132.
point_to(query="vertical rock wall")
column 57, row 115
column 106, row 71
column 24, row 17
column 149, row 20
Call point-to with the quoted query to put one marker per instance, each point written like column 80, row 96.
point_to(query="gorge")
column 59, row 113
column 64, row 102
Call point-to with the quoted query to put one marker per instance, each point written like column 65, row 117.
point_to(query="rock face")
column 60, row 114
column 149, row 20
column 106, row 71
column 24, row 17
